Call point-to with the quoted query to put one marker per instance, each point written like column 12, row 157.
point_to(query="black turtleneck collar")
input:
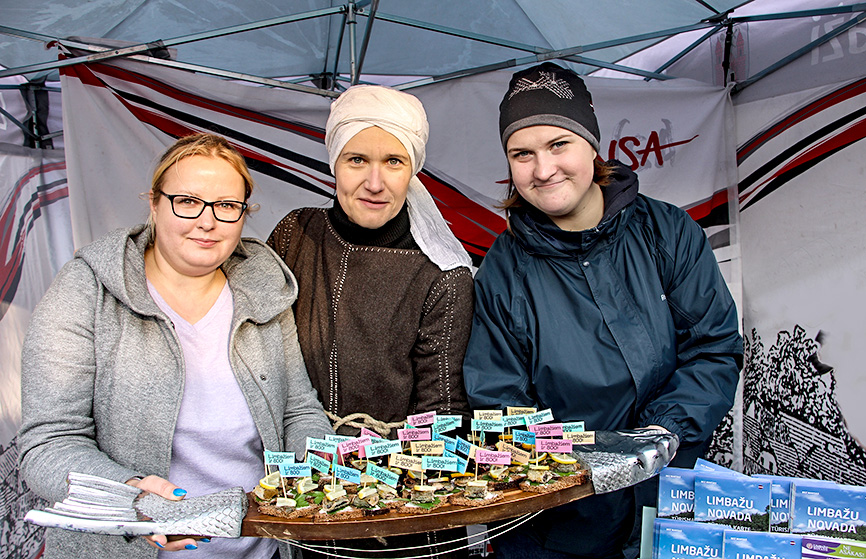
column 394, row 234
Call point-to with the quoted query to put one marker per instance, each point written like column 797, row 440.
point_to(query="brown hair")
column 202, row 143
column 602, row 173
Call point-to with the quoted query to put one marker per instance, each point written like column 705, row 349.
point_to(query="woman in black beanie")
column 599, row 303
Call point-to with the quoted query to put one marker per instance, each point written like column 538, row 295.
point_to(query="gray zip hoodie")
column 103, row 372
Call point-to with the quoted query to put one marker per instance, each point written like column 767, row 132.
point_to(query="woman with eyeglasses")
column 166, row 356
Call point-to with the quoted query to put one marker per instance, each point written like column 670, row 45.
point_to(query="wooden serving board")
column 515, row 502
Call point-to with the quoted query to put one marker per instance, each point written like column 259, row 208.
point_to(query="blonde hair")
column 202, row 143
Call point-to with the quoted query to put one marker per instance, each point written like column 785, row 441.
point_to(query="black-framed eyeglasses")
column 190, row 207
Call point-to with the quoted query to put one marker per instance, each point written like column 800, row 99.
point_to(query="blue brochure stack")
column 712, row 511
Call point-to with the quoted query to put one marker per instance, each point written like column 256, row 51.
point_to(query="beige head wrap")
column 403, row 116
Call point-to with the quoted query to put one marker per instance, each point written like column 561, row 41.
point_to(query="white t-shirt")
column 216, row 444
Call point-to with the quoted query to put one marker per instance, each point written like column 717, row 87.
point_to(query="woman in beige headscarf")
column 385, row 291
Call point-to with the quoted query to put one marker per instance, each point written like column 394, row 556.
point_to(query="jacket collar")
column 262, row 285
column 537, row 234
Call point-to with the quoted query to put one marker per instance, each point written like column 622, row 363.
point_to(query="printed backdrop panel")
column 803, row 197
column 677, row 136
column 35, row 242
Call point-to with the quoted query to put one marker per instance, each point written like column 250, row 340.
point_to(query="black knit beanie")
column 552, row 95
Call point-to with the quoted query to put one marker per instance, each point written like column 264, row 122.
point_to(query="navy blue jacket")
column 624, row 325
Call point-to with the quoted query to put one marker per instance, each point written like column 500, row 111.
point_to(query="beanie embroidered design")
column 546, row 80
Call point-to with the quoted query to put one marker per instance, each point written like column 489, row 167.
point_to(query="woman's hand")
column 168, row 490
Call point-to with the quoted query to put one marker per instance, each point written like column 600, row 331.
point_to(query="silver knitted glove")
column 620, row 459
column 102, row 506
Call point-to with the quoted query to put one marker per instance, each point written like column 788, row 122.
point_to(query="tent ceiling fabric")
column 819, row 46
column 407, row 38
column 415, row 42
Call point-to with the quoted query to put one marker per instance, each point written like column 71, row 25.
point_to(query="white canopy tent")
column 314, row 37
column 329, row 44
column 792, row 72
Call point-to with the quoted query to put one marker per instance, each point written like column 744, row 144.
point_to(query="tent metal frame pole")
column 27, row 90
column 459, row 74
column 270, row 82
column 567, row 54
column 338, row 51
column 351, row 22
column 859, row 7
column 646, row 74
column 571, row 54
column 456, row 32
column 687, row 50
column 32, row 134
column 664, row 33
column 27, row 132
column 522, row 61
column 31, row 85
column 23, row 34
column 365, row 41
column 163, row 43
column 799, row 52
column 766, row 17
column 729, row 42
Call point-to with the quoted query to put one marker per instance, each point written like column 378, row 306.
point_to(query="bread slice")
column 413, row 508
column 462, row 500
column 391, row 504
column 561, row 482
column 348, row 513
column 282, row 512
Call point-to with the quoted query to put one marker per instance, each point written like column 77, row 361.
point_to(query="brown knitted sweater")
column 383, row 331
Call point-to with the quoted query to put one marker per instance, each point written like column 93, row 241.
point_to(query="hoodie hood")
column 537, row 234
column 262, row 285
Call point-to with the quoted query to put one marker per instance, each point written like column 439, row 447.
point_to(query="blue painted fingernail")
column 159, row 545
column 205, row 540
column 190, row 546
column 179, row 492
